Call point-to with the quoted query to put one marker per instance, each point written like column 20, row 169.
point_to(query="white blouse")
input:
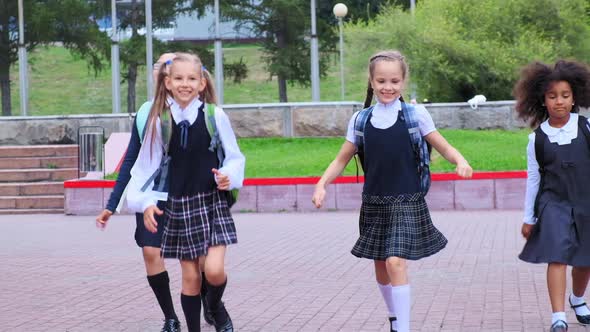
column 149, row 161
column 385, row 116
column 561, row 136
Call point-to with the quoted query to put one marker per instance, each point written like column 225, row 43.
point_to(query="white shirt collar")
column 570, row 127
column 190, row 113
column 395, row 105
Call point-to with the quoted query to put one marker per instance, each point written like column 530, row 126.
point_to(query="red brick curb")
column 486, row 190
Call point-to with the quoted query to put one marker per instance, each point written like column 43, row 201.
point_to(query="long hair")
column 389, row 55
column 535, row 80
column 208, row 94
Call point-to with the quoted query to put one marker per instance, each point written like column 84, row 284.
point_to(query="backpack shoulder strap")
column 420, row 146
column 584, row 127
column 411, row 120
column 210, row 120
column 141, row 118
column 540, row 149
column 359, row 127
column 211, row 125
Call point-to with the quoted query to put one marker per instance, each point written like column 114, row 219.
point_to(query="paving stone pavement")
column 289, row 272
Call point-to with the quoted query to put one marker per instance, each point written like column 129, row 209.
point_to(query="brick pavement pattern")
column 289, row 272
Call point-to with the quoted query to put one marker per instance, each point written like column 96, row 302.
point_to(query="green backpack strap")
column 211, row 125
column 232, row 195
column 141, row 118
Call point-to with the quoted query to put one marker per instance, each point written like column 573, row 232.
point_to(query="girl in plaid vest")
column 394, row 221
column 557, row 204
column 177, row 157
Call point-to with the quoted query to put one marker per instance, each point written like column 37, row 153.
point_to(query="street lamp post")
column 218, row 56
column 315, row 66
column 115, row 82
column 149, row 50
column 340, row 11
column 22, row 61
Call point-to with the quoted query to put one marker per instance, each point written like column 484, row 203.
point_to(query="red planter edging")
column 314, row 179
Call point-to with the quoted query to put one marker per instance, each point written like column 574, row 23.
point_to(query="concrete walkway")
column 289, row 272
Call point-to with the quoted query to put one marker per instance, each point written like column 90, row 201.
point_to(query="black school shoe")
column 391, row 320
column 559, row 326
column 171, row 325
column 581, row 319
column 227, row 326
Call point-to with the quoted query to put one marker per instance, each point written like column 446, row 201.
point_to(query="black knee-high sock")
column 203, row 286
column 160, row 284
column 191, row 305
column 214, row 294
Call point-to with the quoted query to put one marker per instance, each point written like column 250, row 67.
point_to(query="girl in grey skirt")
column 557, row 204
column 198, row 222
column 394, row 224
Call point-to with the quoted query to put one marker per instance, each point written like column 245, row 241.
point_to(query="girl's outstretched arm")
column 336, row 167
column 449, row 153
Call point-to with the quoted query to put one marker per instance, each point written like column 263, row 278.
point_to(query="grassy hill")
column 62, row 84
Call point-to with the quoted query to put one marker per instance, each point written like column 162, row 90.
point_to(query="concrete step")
column 39, row 162
column 31, row 188
column 31, row 211
column 11, row 151
column 32, row 202
column 38, row 174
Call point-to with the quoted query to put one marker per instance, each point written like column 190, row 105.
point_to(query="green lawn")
column 486, row 150
column 61, row 84
column 489, row 150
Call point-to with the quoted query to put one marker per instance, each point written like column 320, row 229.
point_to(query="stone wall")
column 260, row 120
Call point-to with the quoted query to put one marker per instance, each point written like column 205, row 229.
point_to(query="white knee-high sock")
column 402, row 302
column 387, row 293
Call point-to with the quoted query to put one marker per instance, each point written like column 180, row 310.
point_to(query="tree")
column 459, row 48
column 284, row 26
column 131, row 18
column 358, row 10
column 49, row 21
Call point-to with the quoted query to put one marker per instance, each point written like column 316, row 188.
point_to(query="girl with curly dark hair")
column 557, row 204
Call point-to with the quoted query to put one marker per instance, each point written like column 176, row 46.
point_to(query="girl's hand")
column 464, row 170
column 102, row 219
column 318, row 196
column 148, row 218
column 526, row 230
column 221, row 179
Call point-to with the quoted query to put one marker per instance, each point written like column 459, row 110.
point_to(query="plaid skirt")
column 195, row 223
column 397, row 229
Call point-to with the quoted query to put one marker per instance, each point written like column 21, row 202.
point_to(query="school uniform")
column 143, row 237
column 394, row 219
column 562, row 218
column 197, row 215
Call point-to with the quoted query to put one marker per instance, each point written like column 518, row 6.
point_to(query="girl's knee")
column 191, row 283
column 151, row 255
column 215, row 274
column 396, row 264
